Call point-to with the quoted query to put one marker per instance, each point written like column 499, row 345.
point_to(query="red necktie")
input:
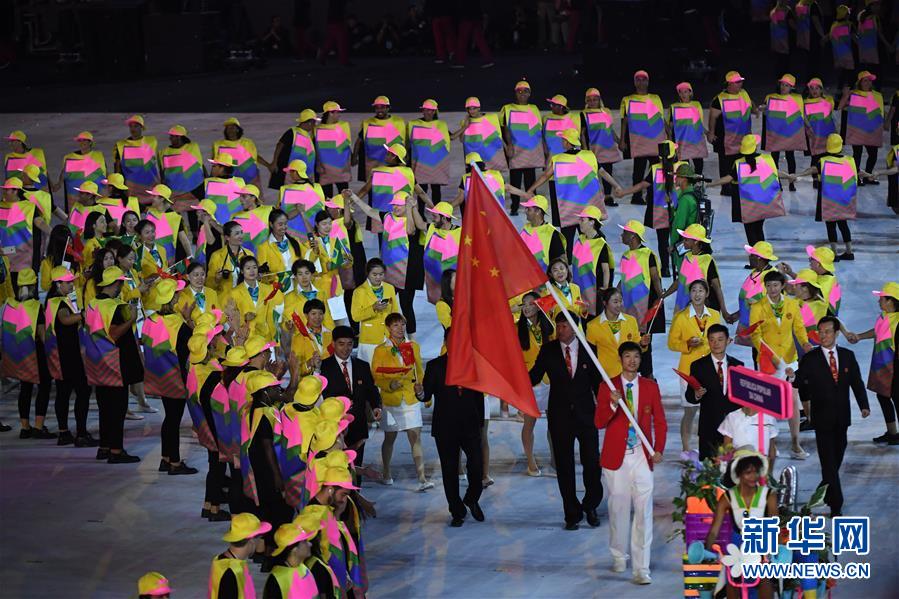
column 833, row 368
column 568, row 360
column 720, row 375
column 346, row 376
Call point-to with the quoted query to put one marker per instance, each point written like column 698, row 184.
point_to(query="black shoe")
column 457, row 522
column 258, row 557
column 873, row 182
column 894, row 440
column 792, row 186
column 65, row 438
column 164, row 466
column 806, row 425
column 884, row 438
column 85, row 440
column 592, row 518
column 122, row 458
column 220, row 516
column 847, row 256
column 475, row 510
column 204, row 513
column 666, row 274
column 611, row 203
column 182, row 468
column 5, row 428
column 102, row 454
column 25, row 433
column 42, row 433
column 571, row 526
column 514, row 212
column 638, row 201
column 747, row 267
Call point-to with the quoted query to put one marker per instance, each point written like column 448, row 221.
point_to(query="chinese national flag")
column 767, row 359
column 494, row 265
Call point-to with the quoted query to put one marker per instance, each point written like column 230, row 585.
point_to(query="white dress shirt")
column 723, row 363
column 349, row 368
column 573, row 346
column 836, row 355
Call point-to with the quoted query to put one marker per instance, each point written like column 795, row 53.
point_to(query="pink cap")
column 472, row 103
column 330, row 204
column 398, row 201
column 683, row 86
column 641, row 73
column 429, row 105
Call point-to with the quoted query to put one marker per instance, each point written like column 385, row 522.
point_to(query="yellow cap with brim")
column 260, row 379
column 571, row 136
column 85, row 136
column 135, row 119
column 197, row 345
column 223, row 159
column 257, row 344
column 442, row 209
column 310, row 389
column 842, row 12
column 153, row 584
column 207, row 206
column 890, row 289
column 749, row 144
column 806, row 275
column 473, row 157
column 733, row 77
column 231, row 121
column 788, row 79
column 26, row 277
column 299, row 166
column 429, row 104
column 834, row 143
column 112, row 275
column 307, row 114
column 635, row 227
column 538, row 201
column 116, row 180
column 250, row 190
column 235, row 358
column 762, row 249
column 335, row 202
column 17, row 136
column 522, row 85
column 592, row 93
column 12, row 183
column 823, row 255
column 32, row 171
column 472, row 102
column 743, row 453
column 593, row 212
column 866, row 75
column 292, row 533
column 331, row 106
column 161, row 191
column 696, row 232
column 397, row 150
column 61, row 274
column 88, row 187
column 165, row 289
column 381, row 101
column 558, row 99
column 245, row 526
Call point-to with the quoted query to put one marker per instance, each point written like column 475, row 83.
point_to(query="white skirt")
column 541, row 394
column 683, row 395
column 402, row 417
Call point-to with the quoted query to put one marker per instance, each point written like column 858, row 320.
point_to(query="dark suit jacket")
column 571, row 399
column 830, row 400
column 714, row 405
column 457, row 411
column 364, row 391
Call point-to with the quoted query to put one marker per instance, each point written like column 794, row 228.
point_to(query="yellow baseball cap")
column 822, row 255
column 749, row 144
column 571, row 136
column 397, row 150
column 260, row 379
column 116, row 180
column 231, row 121
column 207, row 206
column 12, row 183
column 32, row 171
column 473, row 157
column 85, row 136
column 88, row 187
column 442, row 209
column 62, row 274
column 788, row 79
column 135, row 118
column 866, row 75
column 307, row 114
column 198, row 345
column 695, row 231
column 538, row 201
column 165, row 289
column 310, row 389
column 257, row 344
column 331, row 106
column 333, row 470
column 842, row 12
column 762, row 249
column 890, row 289
column 429, row 104
column 558, row 99
column 297, row 165
column 523, row 85
column 381, row 101
column 178, row 130
column 635, row 227
column 245, row 526
column 17, row 136
column 815, row 82
column 235, row 357
column 162, row 191
column 111, row 275
column 335, row 202
column 399, row 198
column 593, row 212
column 733, row 77
column 834, row 143
column 153, row 584
column 250, row 190
column 27, row 277
column 806, row 275
column 292, row 533
column 472, row 102
column 592, row 93
column 223, row 159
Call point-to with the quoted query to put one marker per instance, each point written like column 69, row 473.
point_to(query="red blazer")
column 651, row 419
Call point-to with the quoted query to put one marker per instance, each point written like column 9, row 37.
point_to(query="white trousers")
column 366, row 351
column 631, row 484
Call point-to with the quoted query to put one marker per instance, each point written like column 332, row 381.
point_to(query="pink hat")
column 428, row 105
column 399, row 199
column 641, row 73
column 816, row 82
column 683, row 86
column 472, row 102
column 733, row 77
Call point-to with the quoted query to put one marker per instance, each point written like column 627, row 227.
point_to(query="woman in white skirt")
column 397, row 370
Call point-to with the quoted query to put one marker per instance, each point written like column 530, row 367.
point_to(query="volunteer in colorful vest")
column 278, row 252
column 810, row 34
column 153, row 585
column 441, row 250
column 534, row 329
column 375, row 134
column 300, row 198
column 40, row 197
column 254, row 300
column 781, row 22
column 333, row 149
column 641, row 287
column 480, row 133
column 642, row 128
column 544, row 240
column 819, row 119
column 662, row 199
column 837, row 193
column 20, row 230
column 891, row 172
column 883, row 377
column 385, row 181
column 783, row 127
column 688, row 337
column 223, row 188
column 429, row 146
column 493, row 179
column 243, row 149
column 821, row 261
column 229, row 576
column 592, row 260
column 612, row 328
column 626, row 466
column 730, row 119
column 21, row 155
column 573, row 177
column 841, row 36
column 747, row 499
column 112, row 362
column 182, row 171
column 223, row 270
column 290, row 578
column 686, row 127
column 24, row 356
column 697, row 263
column 600, row 137
column 758, row 195
column 345, row 230
column 164, row 336
column 253, row 218
column 330, row 257
column 84, row 164
column 761, row 255
column 870, row 35
column 135, row 157
column 399, row 382
column 372, row 302
column 559, row 118
column 171, row 229
column 297, row 143
column 523, row 137
column 863, row 121
column 780, row 322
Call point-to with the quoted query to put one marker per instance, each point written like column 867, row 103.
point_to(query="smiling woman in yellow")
column 372, row 302
column 249, row 297
column 612, row 328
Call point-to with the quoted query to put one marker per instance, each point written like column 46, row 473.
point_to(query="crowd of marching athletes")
column 180, row 277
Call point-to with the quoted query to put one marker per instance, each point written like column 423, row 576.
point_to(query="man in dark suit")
column 825, row 376
column 351, row 377
column 711, row 372
column 456, row 425
column 573, row 383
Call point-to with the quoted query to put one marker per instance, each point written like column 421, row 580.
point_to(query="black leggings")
column 82, row 404
column 328, row 188
column 215, row 479
column 406, row 300
column 890, row 407
column 171, row 425
column 40, row 404
column 698, row 164
column 639, row 174
column 646, row 361
column 844, row 231
column 870, row 163
column 113, row 405
column 662, row 236
column 791, row 160
column 522, row 178
column 755, row 232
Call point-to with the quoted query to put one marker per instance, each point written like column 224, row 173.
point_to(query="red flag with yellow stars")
column 494, row 265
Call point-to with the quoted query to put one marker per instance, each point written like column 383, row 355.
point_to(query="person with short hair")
column 229, row 576
column 372, row 302
column 626, row 465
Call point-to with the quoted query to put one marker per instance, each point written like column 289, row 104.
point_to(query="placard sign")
column 767, row 394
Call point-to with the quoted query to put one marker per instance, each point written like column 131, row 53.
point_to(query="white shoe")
column 798, row 455
column 463, row 479
column 425, row 486
column 619, row 564
column 129, row 415
column 387, row 481
column 487, row 482
column 147, row 409
column 642, row 579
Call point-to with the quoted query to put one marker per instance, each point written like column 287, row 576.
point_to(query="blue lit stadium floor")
column 76, row 528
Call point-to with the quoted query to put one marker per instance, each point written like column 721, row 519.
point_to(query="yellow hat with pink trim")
column 381, row 101
column 85, row 136
column 472, row 102
column 522, row 85
column 592, row 92
column 444, row 209
column 538, row 201
column 593, row 212
column 17, row 136
column 292, row 533
column 696, row 232
column 245, row 526
column 571, row 136
column 762, row 249
column 890, row 289
column 429, row 104
column 135, row 119
column 332, row 106
column 806, row 275
column 635, row 227
column 823, row 255
column 558, row 99
column 153, row 584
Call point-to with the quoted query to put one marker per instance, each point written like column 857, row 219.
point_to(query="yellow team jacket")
column 778, row 335
column 186, row 296
column 385, row 358
column 600, row 335
column 371, row 324
column 683, row 327
column 444, row 314
column 217, row 261
column 263, row 324
column 304, row 347
column 294, row 301
column 267, row 253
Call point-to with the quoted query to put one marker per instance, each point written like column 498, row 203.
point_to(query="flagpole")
column 605, row 377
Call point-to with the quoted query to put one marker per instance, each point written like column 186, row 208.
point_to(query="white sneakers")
column 387, row 481
column 641, row 578
column 425, row 486
column 799, row 454
column 619, row 564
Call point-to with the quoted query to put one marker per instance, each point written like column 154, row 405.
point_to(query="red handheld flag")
column 407, row 352
column 276, row 287
column 690, row 380
column 300, row 325
column 768, row 360
column 546, row 303
column 393, row 369
column 814, row 337
column 483, row 349
column 750, row 329
column 651, row 313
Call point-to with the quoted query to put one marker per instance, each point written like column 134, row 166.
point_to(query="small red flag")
column 300, row 325
column 77, row 249
column 276, row 287
column 768, row 361
column 546, row 303
column 407, row 352
column 750, row 329
column 651, row 313
column 690, row 380
column 164, row 274
column 814, row 337
column 393, row 369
